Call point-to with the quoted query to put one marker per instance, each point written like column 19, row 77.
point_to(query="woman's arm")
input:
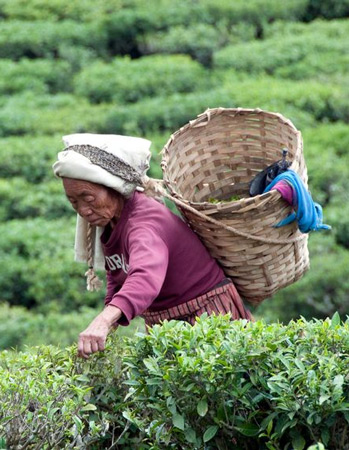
column 147, row 267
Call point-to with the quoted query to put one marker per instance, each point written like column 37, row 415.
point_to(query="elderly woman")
column 156, row 265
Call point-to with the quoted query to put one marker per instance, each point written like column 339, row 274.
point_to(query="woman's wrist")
column 111, row 314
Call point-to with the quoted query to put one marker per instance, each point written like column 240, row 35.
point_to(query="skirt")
column 222, row 299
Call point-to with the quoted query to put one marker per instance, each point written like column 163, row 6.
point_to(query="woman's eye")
column 89, row 198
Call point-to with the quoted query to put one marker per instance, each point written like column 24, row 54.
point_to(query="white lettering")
column 117, row 262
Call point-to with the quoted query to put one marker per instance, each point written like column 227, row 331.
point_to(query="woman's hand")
column 94, row 337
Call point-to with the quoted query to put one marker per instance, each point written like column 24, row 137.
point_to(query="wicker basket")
column 216, row 156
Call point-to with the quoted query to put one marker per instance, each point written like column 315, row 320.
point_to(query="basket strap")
column 153, row 186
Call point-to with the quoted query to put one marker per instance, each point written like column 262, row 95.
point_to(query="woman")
column 156, row 265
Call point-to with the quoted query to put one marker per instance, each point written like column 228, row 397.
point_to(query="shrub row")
column 332, row 29
column 303, row 102
column 39, row 75
column 200, row 41
column 216, row 385
column 324, row 288
column 329, row 9
column 40, row 115
column 29, row 157
column 125, row 80
column 159, row 13
column 118, row 29
column 292, row 52
column 38, row 268
column 20, row 199
column 49, row 400
column 57, row 10
column 325, row 149
column 134, row 31
column 20, row 328
column 42, row 39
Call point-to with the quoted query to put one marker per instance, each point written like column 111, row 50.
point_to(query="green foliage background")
column 146, row 68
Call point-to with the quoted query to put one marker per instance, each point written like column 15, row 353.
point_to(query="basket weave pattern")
column 216, row 156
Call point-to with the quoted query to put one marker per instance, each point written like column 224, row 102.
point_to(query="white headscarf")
column 119, row 162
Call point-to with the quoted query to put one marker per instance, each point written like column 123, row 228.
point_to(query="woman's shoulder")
column 148, row 212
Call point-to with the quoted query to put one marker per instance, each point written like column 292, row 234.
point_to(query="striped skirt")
column 223, row 299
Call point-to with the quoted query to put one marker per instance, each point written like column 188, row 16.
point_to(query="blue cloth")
column 308, row 213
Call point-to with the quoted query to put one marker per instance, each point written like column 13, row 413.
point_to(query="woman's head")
column 98, row 172
column 97, row 204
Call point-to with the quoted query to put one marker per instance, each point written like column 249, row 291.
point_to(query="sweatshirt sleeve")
column 148, row 262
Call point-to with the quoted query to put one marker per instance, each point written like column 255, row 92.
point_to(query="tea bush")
column 116, row 28
column 330, row 9
column 332, row 29
column 41, row 39
column 125, row 80
column 325, row 149
column 21, row 328
column 323, row 289
column 38, row 270
column 292, row 51
column 57, row 10
column 216, row 385
column 29, row 157
column 199, row 41
column 45, row 200
column 302, row 102
column 234, row 385
column 40, row 75
column 51, row 400
column 258, row 12
column 40, row 115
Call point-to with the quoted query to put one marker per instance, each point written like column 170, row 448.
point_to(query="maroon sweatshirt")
column 154, row 260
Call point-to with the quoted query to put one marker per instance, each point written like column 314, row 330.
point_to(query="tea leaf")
column 298, row 442
column 178, row 421
column 210, row 433
column 202, row 407
column 335, row 320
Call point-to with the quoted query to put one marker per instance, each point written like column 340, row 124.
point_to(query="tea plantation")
column 145, row 68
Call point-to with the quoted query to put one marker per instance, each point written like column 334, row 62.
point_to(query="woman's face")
column 97, row 204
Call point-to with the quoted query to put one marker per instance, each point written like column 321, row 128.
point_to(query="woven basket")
column 216, row 156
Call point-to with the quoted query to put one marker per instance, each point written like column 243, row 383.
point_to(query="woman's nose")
column 84, row 211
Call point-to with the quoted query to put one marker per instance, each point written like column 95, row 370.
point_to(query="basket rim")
column 202, row 120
